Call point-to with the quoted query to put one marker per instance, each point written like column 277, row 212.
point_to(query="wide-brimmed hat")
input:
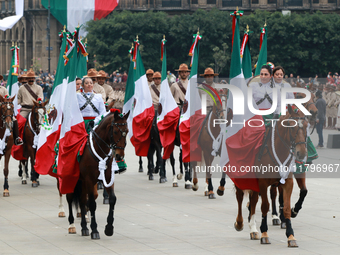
column 209, row 71
column 30, row 74
column 102, row 74
column 157, row 75
column 92, row 73
column 149, row 71
column 21, row 77
column 183, row 68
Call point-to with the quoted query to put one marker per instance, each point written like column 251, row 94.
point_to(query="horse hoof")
column 179, row 176
column 162, row 180
column 71, row 230
column 23, row 182
column 220, row 192
column 140, row 170
column 175, row 184
column 276, row 222
column 237, row 228
column 78, row 215
column 34, row 185
column 85, row 232
column 106, row 201
column 108, row 231
column 254, row 236
column 211, row 196
column 293, row 214
column 150, row 177
column 6, row 193
column 188, row 186
column 265, row 240
column 283, row 225
column 195, row 187
column 292, row 244
column 95, row 235
column 61, row 215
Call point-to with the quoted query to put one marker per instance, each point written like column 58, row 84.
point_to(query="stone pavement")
column 153, row 218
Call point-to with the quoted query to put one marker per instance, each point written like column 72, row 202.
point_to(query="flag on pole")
column 12, row 81
column 245, row 55
column 242, row 142
column 234, row 14
column 168, row 111
column 75, row 12
column 262, row 60
column 191, row 117
column 9, row 22
column 82, row 59
column 72, row 133
column 48, row 138
column 143, row 112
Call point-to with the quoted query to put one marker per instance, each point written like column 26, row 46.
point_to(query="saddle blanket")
column 18, row 151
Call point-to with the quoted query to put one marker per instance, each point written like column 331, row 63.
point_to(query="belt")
column 27, row 106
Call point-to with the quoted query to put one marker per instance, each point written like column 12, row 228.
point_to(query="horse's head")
column 38, row 112
column 310, row 106
column 118, row 130
column 7, row 111
column 296, row 134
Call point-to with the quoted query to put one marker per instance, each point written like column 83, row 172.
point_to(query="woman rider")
column 91, row 105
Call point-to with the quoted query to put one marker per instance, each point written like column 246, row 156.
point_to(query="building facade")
column 30, row 33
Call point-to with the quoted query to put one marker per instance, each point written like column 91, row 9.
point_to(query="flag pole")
column 48, row 36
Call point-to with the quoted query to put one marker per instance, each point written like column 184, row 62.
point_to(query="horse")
column 6, row 134
column 299, row 177
column 108, row 140
column 30, row 137
column 278, row 143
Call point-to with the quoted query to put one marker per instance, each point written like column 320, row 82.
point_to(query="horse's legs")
column 221, row 188
column 82, row 204
column 208, row 160
column 6, row 186
column 264, row 210
column 301, row 181
column 61, row 206
column 150, row 162
column 253, row 198
column 161, row 164
column 110, row 218
column 93, row 207
column 24, row 174
column 287, row 192
column 72, row 227
column 282, row 217
column 33, row 173
column 187, row 176
column 140, row 165
column 174, row 177
column 239, row 219
column 273, row 194
column 20, row 169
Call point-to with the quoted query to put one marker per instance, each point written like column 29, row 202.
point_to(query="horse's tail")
column 77, row 194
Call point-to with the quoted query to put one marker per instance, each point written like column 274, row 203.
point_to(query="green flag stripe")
column 235, row 65
column 60, row 75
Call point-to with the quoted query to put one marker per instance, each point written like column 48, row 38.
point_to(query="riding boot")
column 17, row 139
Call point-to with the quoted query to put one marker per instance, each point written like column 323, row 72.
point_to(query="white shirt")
column 97, row 101
column 260, row 90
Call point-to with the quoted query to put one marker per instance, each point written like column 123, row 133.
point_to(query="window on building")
column 211, row 1
column 294, row 2
column 231, row 3
column 171, row 3
column 255, row 1
column 271, row 1
column 315, row 1
column 332, row 1
column 10, row 6
column 194, row 1
column 3, row 6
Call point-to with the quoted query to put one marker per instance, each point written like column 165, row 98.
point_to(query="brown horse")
column 282, row 145
column 6, row 135
column 299, row 177
column 31, row 132
column 109, row 140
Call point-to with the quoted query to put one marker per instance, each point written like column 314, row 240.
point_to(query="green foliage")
column 304, row 44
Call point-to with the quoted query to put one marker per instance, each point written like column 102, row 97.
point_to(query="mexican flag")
column 45, row 155
column 143, row 112
column 263, row 51
column 82, row 59
column 74, row 12
column 168, row 111
column 242, row 142
column 129, row 97
column 191, row 117
column 12, row 81
column 72, row 133
column 245, row 55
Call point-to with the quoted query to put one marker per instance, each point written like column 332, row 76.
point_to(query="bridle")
column 36, row 123
column 113, row 144
column 3, row 113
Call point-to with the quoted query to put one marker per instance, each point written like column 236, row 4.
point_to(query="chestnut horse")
column 281, row 144
column 30, row 137
column 6, row 136
column 109, row 140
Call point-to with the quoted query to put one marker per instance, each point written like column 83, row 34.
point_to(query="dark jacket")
column 321, row 105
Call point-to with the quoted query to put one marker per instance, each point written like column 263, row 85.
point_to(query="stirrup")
column 18, row 141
